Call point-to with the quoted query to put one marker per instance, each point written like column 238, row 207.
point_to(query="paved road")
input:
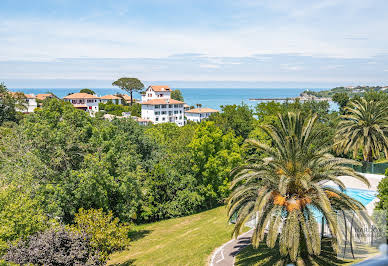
column 225, row 255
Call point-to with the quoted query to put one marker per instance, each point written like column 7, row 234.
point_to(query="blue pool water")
column 362, row 195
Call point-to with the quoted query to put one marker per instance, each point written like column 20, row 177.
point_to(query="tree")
column 364, row 126
column 177, row 95
column 88, row 91
column 56, row 246
column 20, row 216
column 7, row 106
column 129, row 85
column 214, row 154
column 236, row 118
column 106, row 233
column 342, row 99
column 283, row 187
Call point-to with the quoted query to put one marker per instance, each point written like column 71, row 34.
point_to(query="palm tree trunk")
column 131, row 97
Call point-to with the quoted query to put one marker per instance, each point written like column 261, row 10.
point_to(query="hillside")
column 351, row 91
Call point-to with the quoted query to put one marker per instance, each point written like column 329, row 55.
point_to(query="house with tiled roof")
column 158, row 107
column 44, row 96
column 84, row 101
column 111, row 98
column 199, row 114
column 26, row 102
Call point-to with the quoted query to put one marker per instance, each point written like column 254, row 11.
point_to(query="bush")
column 106, row 232
column 55, row 247
column 20, row 216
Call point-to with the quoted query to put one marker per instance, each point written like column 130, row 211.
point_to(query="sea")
column 207, row 97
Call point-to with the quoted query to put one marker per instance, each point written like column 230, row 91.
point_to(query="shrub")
column 106, row 232
column 20, row 216
column 55, row 247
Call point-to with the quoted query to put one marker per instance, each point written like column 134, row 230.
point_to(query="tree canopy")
column 177, row 95
column 88, row 91
column 130, row 85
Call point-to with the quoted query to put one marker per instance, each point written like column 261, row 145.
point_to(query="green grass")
column 266, row 256
column 181, row 241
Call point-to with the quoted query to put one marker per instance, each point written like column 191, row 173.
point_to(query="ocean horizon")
column 208, row 97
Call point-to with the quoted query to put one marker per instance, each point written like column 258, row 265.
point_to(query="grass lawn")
column 180, row 241
column 266, row 256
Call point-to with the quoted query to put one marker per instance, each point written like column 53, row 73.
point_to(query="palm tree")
column 363, row 126
column 285, row 186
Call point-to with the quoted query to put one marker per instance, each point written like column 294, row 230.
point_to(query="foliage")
column 114, row 109
column 177, row 95
column 284, row 187
column 106, row 233
column 88, row 91
column 342, row 99
column 364, row 126
column 20, row 216
column 382, row 188
column 56, row 246
column 236, row 118
column 129, row 85
column 7, row 106
column 170, row 190
column 214, row 154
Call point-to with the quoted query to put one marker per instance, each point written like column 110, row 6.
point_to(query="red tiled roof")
column 162, row 101
column 22, row 94
column 160, row 88
column 202, row 110
column 43, row 96
column 110, row 97
column 81, row 95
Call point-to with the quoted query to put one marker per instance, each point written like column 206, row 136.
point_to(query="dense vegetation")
column 65, row 173
column 350, row 91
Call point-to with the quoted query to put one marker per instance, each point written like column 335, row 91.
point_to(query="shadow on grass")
column 138, row 234
column 127, row 263
column 264, row 255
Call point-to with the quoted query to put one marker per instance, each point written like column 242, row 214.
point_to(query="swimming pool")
column 362, row 195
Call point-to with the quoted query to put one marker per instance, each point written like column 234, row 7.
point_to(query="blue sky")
column 261, row 43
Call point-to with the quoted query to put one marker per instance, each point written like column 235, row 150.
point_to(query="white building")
column 199, row 114
column 158, row 107
column 113, row 98
column 26, row 102
column 84, row 101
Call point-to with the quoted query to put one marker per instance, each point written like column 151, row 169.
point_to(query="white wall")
column 171, row 113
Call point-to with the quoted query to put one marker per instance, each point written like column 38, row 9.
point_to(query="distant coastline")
column 212, row 98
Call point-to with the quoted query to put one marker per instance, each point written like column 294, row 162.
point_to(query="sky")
column 184, row 43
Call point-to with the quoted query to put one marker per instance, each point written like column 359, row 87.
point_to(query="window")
column 157, row 106
column 157, row 119
column 161, row 95
column 175, row 106
column 180, row 117
column 164, row 106
column 163, row 112
column 90, row 101
column 163, row 118
column 180, row 105
column 180, row 111
column 170, row 112
column 170, row 106
column 157, row 113
column 175, row 112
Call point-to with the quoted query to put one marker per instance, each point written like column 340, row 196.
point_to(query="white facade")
column 156, row 92
column 28, row 101
column 158, row 107
column 32, row 104
column 199, row 114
